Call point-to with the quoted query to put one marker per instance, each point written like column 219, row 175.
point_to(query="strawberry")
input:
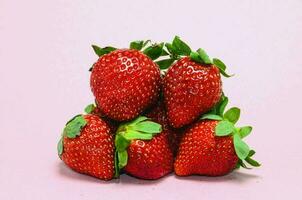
column 192, row 85
column 87, row 146
column 214, row 146
column 143, row 148
column 125, row 82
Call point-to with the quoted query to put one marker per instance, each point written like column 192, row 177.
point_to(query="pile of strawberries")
column 158, row 108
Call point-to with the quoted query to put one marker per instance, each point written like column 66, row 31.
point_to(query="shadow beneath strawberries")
column 65, row 171
column 235, row 176
column 126, row 179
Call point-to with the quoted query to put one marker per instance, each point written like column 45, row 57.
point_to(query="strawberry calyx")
column 102, row 51
column 154, row 51
column 140, row 128
column 178, row 49
column 90, row 108
column 99, row 51
column 71, row 130
column 226, row 127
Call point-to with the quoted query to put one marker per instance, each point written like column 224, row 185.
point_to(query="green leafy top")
column 178, row 48
column 139, row 129
column 72, row 129
column 102, row 51
column 226, row 127
column 167, row 53
column 90, row 108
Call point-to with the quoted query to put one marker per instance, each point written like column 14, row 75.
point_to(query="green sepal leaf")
column 102, row 51
column 180, row 47
column 60, row 147
column 164, row 53
column 252, row 162
column 245, row 131
column 242, row 164
column 224, row 128
column 204, row 56
column 146, row 42
column 223, row 103
column 73, row 127
column 137, row 120
column 148, row 127
column 154, row 51
column 138, row 44
column 238, row 165
column 170, row 48
column 241, row 148
column 221, row 66
column 219, row 108
column 90, row 108
column 164, row 64
column 212, row 117
column 116, row 165
column 195, row 57
column 135, row 135
column 121, row 143
column 232, row 114
column 122, row 158
column 251, row 153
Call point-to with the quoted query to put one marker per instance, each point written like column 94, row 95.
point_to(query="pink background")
column 45, row 55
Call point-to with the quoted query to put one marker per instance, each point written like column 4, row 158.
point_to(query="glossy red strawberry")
column 201, row 152
column 190, row 89
column 124, row 83
column 152, row 159
column 143, row 148
column 87, row 146
column 214, row 146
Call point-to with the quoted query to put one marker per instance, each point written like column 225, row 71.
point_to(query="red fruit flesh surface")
column 190, row 89
column 92, row 152
column 154, row 158
column 124, row 83
column 150, row 159
column 158, row 114
column 202, row 153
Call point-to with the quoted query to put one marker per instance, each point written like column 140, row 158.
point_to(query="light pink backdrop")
column 45, row 55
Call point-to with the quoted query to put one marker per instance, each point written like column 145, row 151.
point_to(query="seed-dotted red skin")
column 152, row 159
column 125, row 82
column 202, row 153
column 158, row 114
column 111, row 123
column 190, row 89
column 92, row 152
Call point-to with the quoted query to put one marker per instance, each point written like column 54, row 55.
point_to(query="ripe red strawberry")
column 124, row 83
column 192, row 85
column 149, row 156
column 213, row 146
column 190, row 89
column 200, row 152
column 87, row 146
column 151, row 159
